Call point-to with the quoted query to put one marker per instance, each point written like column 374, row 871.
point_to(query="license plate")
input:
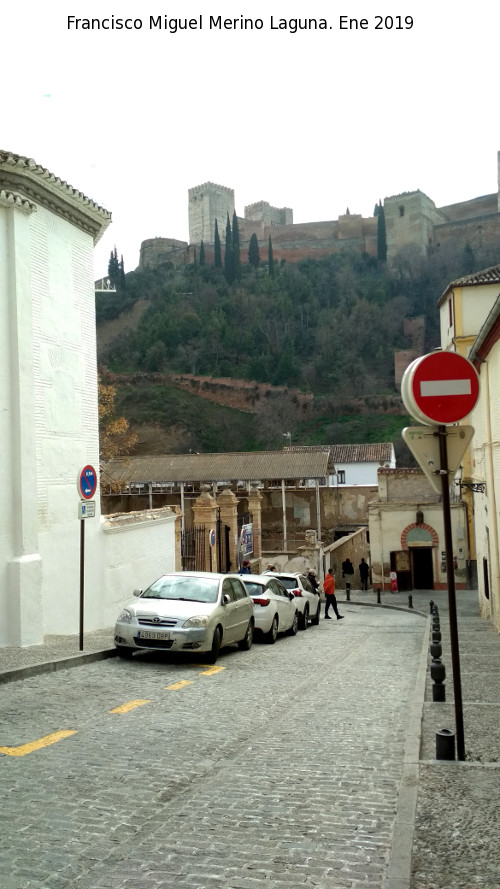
column 152, row 634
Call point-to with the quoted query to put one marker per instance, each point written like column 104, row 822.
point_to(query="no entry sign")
column 440, row 388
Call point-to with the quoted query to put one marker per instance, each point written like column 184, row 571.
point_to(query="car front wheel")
column 270, row 637
column 216, row 644
column 124, row 652
column 295, row 626
column 304, row 619
column 245, row 644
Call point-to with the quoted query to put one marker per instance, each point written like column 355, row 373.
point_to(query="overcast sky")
column 318, row 121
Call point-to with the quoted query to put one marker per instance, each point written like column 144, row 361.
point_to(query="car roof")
column 199, row 574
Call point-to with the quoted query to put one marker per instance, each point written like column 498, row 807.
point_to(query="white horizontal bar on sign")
column 445, row 387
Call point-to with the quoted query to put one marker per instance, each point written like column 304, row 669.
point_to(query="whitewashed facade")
column 49, row 416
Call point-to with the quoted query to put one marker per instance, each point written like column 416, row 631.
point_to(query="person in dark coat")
column 364, row 571
column 347, row 572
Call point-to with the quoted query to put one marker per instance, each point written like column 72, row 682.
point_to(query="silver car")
column 187, row 611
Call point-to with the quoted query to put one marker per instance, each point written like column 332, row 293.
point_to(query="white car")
column 308, row 601
column 187, row 611
column 274, row 606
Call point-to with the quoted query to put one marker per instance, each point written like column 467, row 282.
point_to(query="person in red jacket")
column 329, row 590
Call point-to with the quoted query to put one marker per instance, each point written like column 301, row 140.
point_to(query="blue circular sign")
column 87, row 482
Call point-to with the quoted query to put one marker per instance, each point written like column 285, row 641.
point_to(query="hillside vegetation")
column 326, row 327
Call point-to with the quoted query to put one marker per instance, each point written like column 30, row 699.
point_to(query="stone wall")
column 156, row 251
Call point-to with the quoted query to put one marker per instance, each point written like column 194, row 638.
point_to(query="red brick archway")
column 428, row 534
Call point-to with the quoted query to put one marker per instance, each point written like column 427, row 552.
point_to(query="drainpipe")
column 283, row 505
column 183, row 520
column 318, row 512
column 150, row 491
column 491, row 488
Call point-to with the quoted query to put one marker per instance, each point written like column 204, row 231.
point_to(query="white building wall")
column 356, row 474
column 138, row 548
column 49, row 423
column 486, row 468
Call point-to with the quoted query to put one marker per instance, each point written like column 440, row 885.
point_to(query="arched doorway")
column 421, row 542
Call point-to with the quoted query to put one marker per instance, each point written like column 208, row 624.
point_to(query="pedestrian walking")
column 364, row 571
column 347, row 572
column 329, row 590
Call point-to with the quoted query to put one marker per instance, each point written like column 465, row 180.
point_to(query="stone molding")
column 36, row 184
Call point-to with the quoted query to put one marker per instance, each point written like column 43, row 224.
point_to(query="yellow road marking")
column 36, row 745
column 212, row 671
column 180, row 684
column 131, row 705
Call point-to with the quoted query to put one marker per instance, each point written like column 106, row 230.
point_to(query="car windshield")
column 255, row 589
column 290, row 582
column 191, row 589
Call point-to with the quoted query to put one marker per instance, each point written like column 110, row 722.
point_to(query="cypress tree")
column 114, row 268
column 228, row 255
column 236, row 248
column 217, row 250
column 253, row 251
column 202, row 254
column 381, row 234
column 121, row 276
column 270, row 258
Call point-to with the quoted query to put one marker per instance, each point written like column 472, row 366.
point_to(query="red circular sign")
column 87, row 482
column 440, row 388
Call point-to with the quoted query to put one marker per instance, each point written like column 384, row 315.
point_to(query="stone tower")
column 207, row 203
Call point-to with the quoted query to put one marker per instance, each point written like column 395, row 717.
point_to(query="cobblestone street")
column 282, row 769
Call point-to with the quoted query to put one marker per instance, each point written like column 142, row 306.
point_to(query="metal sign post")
column 440, row 389
column 452, row 602
column 86, row 483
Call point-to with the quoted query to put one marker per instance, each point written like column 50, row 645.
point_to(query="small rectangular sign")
column 86, row 509
column 445, row 387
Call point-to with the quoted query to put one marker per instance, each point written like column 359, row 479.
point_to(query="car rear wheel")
column 124, row 652
column 270, row 637
column 295, row 626
column 216, row 644
column 245, row 644
column 304, row 618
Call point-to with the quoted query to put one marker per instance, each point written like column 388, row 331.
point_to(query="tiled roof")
column 376, row 452
column 16, row 170
column 251, row 466
column 486, row 276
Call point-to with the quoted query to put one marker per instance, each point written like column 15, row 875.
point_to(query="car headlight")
column 201, row 621
column 125, row 617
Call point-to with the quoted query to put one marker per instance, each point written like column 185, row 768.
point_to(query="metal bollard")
column 378, row 595
column 348, row 592
column 410, row 601
column 438, row 675
column 431, row 606
column 445, row 744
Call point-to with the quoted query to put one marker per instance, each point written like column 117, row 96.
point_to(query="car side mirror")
column 291, row 597
column 137, row 592
column 225, row 599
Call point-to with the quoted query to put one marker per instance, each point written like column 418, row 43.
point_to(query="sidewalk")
column 452, row 833
column 56, row 653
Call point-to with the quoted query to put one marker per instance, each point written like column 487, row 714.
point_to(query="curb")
column 399, row 870
column 61, row 664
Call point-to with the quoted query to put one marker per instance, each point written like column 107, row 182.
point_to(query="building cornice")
column 12, row 199
column 35, row 185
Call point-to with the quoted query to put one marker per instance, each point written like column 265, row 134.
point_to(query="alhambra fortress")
column 411, row 218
